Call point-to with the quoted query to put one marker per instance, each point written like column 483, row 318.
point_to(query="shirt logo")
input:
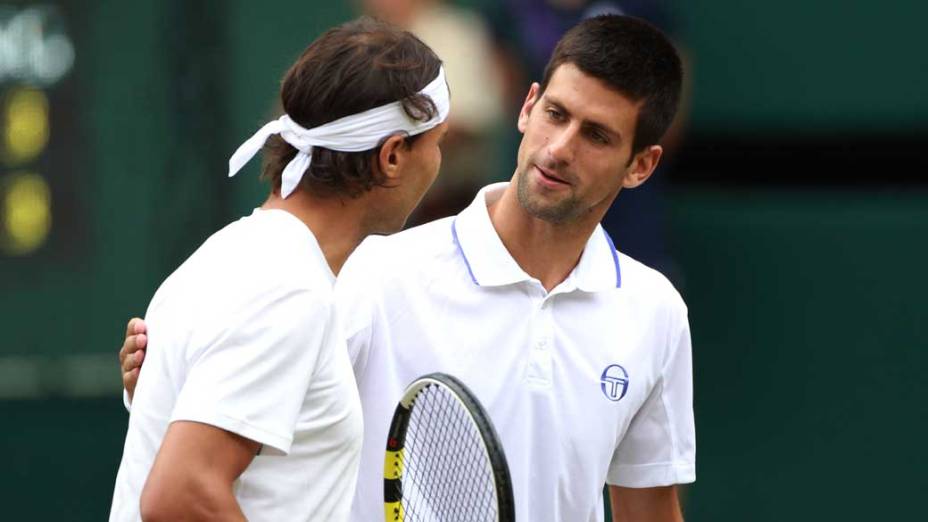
column 614, row 382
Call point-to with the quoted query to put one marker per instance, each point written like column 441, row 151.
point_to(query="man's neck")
column 546, row 251
column 333, row 221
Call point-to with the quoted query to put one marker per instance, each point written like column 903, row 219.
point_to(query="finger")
column 125, row 363
column 128, row 356
column 129, row 379
column 128, row 346
column 132, row 326
column 132, row 344
column 133, row 361
column 137, row 358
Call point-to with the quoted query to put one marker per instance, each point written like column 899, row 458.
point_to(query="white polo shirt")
column 588, row 384
column 243, row 336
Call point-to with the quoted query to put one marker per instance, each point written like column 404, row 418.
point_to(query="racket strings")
column 447, row 474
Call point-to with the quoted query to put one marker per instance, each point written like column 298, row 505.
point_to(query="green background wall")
column 810, row 344
column 807, row 67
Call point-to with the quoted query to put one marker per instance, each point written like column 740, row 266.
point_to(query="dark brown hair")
column 632, row 57
column 351, row 68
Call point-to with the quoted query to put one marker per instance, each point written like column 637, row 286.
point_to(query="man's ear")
column 530, row 99
column 391, row 157
column 643, row 165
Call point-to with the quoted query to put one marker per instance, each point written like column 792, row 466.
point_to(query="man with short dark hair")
column 580, row 354
column 248, row 407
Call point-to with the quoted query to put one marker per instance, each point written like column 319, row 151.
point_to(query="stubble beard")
column 563, row 211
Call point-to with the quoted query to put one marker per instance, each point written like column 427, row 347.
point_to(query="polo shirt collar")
column 490, row 264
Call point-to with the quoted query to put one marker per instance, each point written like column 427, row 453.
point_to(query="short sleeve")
column 659, row 447
column 249, row 375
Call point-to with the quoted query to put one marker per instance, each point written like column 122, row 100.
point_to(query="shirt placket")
column 540, row 363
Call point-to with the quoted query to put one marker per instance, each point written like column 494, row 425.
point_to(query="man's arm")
column 132, row 354
column 658, row 504
column 193, row 474
column 658, row 449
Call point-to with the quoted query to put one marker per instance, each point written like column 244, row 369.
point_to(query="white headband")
column 354, row 133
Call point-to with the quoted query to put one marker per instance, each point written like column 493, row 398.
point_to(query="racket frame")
column 396, row 439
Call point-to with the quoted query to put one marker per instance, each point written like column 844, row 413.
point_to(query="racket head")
column 438, row 414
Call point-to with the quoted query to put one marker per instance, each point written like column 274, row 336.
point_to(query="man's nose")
column 561, row 145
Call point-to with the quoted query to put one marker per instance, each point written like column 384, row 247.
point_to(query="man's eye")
column 599, row 137
column 554, row 115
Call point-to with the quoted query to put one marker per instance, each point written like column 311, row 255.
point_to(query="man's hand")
column 132, row 354
column 645, row 504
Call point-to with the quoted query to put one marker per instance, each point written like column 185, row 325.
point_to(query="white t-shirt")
column 588, row 384
column 244, row 336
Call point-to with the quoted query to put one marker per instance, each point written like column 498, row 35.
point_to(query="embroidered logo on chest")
column 614, row 382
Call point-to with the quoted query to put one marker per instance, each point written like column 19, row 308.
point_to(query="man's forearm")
column 196, row 499
column 658, row 504
column 193, row 475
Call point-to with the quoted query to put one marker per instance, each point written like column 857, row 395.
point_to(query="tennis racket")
column 444, row 461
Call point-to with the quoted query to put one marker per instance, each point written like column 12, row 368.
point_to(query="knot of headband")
column 354, row 133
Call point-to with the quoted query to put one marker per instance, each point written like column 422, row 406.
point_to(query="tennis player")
column 248, row 407
column 580, row 354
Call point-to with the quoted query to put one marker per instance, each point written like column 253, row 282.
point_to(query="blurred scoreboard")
column 40, row 154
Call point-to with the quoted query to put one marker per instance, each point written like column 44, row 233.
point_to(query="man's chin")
column 542, row 204
column 554, row 213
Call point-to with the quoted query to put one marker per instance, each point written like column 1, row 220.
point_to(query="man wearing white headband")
column 248, row 407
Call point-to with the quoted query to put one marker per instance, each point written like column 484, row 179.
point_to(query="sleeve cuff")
column 271, row 441
column 652, row 475
column 125, row 400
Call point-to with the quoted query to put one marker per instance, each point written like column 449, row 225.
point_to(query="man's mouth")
column 550, row 176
